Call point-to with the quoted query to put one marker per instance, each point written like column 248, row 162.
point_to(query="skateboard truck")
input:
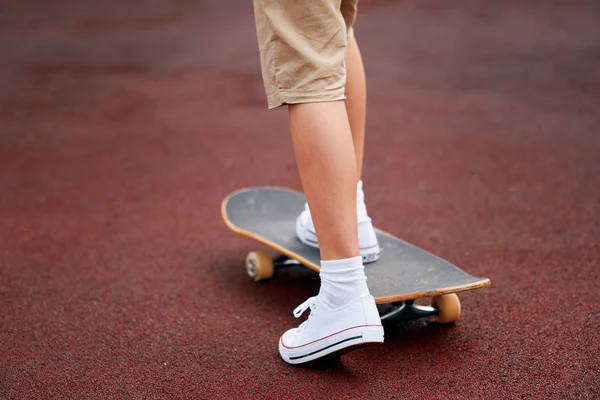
column 407, row 310
column 283, row 261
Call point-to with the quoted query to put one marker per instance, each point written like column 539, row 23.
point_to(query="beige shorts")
column 302, row 47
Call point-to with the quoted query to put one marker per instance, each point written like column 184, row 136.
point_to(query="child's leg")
column 356, row 99
column 355, row 91
column 327, row 165
column 303, row 48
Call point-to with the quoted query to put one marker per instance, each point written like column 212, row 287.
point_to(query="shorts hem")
column 282, row 97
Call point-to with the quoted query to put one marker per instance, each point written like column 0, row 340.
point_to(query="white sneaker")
column 325, row 332
column 367, row 239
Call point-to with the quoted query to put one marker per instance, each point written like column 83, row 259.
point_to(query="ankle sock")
column 342, row 281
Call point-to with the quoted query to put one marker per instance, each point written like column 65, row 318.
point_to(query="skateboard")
column 403, row 273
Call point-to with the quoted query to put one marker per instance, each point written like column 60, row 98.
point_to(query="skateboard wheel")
column 448, row 308
column 259, row 266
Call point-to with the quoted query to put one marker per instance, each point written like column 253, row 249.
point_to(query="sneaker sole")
column 338, row 344
column 368, row 257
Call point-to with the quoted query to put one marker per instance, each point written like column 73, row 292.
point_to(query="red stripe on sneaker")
column 323, row 338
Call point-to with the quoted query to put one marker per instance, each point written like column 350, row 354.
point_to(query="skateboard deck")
column 403, row 271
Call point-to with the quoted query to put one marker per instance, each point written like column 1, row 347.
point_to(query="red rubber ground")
column 124, row 124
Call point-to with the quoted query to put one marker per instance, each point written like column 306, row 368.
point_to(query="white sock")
column 342, row 281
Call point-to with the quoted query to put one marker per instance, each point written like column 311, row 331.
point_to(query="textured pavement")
column 124, row 124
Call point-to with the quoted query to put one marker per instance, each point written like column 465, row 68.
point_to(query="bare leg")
column 327, row 164
column 356, row 100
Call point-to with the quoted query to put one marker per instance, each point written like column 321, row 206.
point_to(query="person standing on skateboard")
column 311, row 62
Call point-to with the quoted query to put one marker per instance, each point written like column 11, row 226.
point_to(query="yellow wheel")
column 259, row 266
column 448, row 307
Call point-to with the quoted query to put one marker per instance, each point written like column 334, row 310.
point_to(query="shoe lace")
column 298, row 311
